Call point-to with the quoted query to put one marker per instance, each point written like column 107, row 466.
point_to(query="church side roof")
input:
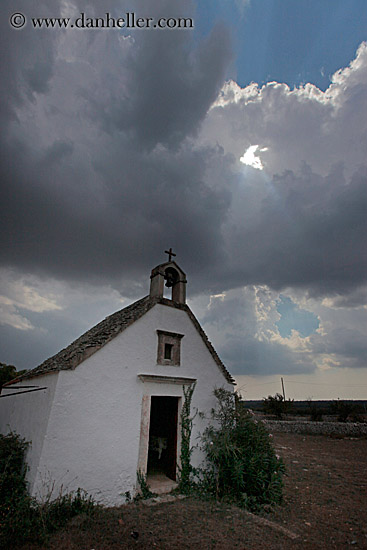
column 102, row 333
column 92, row 340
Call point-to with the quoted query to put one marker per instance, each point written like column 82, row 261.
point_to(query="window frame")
column 172, row 339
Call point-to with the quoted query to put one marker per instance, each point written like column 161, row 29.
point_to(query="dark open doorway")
column 163, row 436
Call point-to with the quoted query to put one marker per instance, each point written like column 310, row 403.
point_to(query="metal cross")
column 170, row 254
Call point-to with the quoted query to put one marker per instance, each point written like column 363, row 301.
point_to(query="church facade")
column 109, row 405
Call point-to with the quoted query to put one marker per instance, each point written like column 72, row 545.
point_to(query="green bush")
column 16, row 512
column 241, row 463
column 22, row 519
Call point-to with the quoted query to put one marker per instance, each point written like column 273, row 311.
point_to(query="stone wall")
column 353, row 429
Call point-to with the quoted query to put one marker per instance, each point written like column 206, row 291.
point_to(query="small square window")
column 169, row 348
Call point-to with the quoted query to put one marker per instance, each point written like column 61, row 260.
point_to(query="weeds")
column 144, row 487
column 22, row 518
column 186, row 470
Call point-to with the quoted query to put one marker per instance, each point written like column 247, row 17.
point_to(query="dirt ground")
column 325, row 506
column 325, row 497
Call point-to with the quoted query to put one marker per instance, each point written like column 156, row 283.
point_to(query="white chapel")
column 109, row 404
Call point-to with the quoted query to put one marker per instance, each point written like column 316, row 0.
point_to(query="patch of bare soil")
column 325, row 497
column 325, row 506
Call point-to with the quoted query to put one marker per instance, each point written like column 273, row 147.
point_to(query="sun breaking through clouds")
column 250, row 159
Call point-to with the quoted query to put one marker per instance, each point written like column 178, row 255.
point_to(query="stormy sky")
column 241, row 143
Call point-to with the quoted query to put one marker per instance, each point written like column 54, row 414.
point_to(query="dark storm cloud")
column 170, row 82
column 27, row 57
column 29, row 349
column 307, row 231
column 347, row 345
column 170, row 90
column 354, row 299
column 251, row 357
column 143, row 204
column 101, row 169
column 87, row 174
column 56, row 152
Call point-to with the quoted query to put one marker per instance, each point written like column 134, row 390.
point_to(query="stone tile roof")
column 92, row 340
column 98, row 336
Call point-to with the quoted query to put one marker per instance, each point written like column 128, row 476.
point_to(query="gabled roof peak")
column 102, row 333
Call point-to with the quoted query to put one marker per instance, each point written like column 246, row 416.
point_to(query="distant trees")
column 275, row 404
column 342, row 409
column 315, row 411
column 8, row 372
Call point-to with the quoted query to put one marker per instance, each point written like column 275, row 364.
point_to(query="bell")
column 170, row 276
column 170, row 281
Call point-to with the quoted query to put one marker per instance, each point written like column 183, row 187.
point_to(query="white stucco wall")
column 27, row 414
column 93, row 430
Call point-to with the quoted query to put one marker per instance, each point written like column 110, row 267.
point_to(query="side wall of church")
column 27, row 414
column 93, row 435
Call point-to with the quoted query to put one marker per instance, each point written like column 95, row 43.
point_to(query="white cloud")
column 24, row 296
column 10, row 316
column 300, row 125
column 24, row 293
column 243, row 324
